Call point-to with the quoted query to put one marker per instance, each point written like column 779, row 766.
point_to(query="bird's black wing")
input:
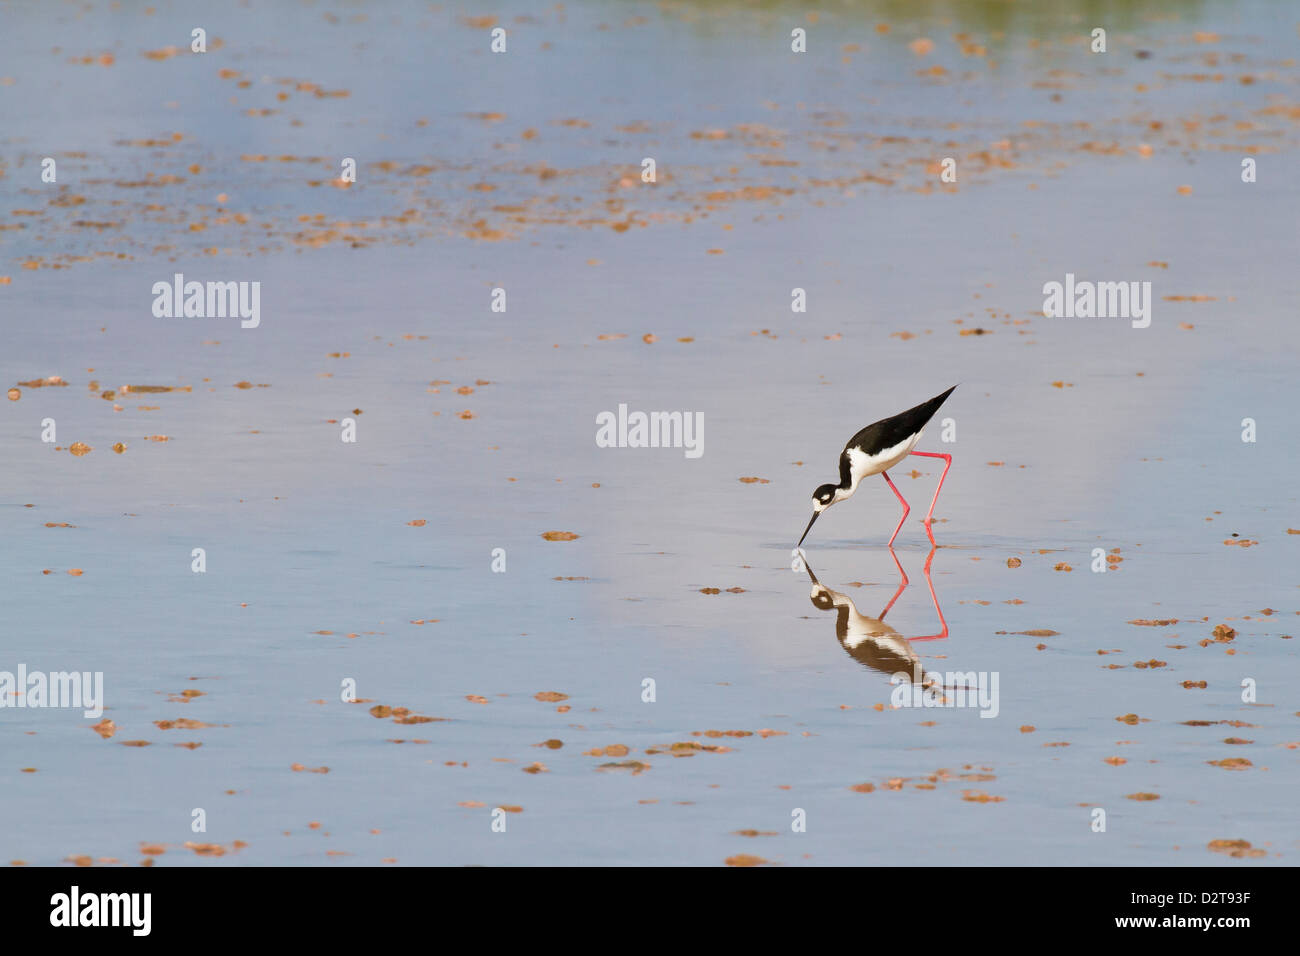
column 889, row 432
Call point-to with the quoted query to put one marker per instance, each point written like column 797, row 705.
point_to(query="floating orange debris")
column 56, row 380
column 1235, row 848
column 1231, row 763
column 206, row 849
column 636, row 766
column 613, row 750
column 183, row 723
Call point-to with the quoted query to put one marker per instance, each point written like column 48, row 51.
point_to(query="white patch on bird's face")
column 840, row 494
column 862, row 465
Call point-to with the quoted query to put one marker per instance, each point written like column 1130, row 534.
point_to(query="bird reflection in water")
column 869, row 640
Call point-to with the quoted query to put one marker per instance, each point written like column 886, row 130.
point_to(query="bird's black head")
column 823, row 496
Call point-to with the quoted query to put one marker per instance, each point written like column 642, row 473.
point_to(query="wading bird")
column 874, row 450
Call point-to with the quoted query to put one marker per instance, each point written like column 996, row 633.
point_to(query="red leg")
column 901, row 586
column 947, row 464
column 906, row 508
column 937, row 610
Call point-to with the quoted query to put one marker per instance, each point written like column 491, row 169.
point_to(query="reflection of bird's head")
column 823, row 598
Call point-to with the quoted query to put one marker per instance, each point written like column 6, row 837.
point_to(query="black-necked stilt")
column 869, row 640
column 874, row 450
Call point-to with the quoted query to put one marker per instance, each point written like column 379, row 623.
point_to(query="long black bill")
column 807, row 529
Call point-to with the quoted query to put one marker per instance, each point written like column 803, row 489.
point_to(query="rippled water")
column 775, row 171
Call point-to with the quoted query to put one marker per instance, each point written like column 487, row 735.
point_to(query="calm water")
column 522, row 171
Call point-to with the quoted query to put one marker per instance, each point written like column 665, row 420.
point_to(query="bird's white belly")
column 862, row 465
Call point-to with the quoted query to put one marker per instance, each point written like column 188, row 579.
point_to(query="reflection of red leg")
column 933, row 597
column 901, row 586
column 906, row 509
column 929, row 517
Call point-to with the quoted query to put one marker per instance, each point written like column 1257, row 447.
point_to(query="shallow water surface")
column 333, row 564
